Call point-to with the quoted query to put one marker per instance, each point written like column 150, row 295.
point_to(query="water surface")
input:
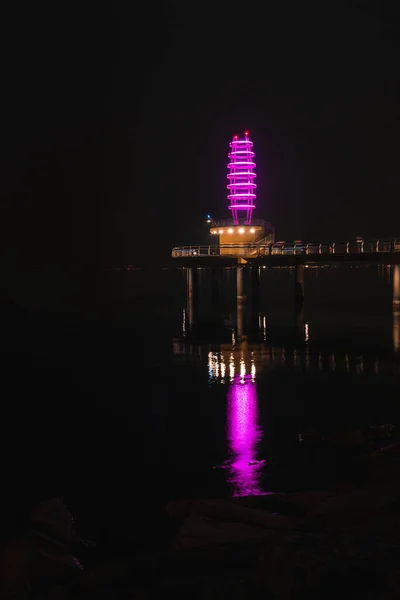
column 115, row 397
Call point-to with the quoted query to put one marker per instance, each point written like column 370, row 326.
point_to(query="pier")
column 245, row 243
column 290, row 254
column 281, row 255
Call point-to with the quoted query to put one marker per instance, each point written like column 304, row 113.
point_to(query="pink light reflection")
column 243, row 436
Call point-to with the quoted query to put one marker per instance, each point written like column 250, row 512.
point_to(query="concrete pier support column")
column 240, row 323
column 240, row 300
column 255, row 282
column 255, row 299
column 396, row 308
column 299, row 286
column 396, row 286
column 192, row 294
column 396, row 330
column 216, row 285
column 299, row 320
column 240, row 284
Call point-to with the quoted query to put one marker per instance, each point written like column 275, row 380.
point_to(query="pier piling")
column 396, row 286
column 240, row 300
column 299, row 286
column 192, row 294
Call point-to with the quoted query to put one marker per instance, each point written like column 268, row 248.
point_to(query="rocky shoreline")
column 344, row 539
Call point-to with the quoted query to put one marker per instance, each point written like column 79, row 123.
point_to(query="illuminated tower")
column 237, row 234
column 241, row 177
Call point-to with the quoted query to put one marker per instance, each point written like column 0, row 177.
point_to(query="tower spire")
column 241, row 187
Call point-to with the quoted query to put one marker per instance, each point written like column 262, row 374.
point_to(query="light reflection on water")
column 305, row 357
column 245, row 358
column 243, row 431
column 236, row 365
column 267, row 359
column 243, row 434
column 396, row 330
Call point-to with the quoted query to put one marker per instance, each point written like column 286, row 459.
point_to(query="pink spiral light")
column 241, row 175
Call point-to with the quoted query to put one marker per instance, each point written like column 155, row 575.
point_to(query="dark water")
column 110, row 396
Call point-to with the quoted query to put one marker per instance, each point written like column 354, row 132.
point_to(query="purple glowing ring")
column 232, row 196
column 248, row 152
column 241, row 206
column 248, row 184
column 241, row 174
column 240, row 142
column 233, row 173
column 232, row 186
column 248, row 163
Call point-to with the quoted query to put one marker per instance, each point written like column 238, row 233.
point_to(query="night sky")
column 116, row 128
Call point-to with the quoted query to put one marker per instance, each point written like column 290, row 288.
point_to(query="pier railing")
column 288, row 249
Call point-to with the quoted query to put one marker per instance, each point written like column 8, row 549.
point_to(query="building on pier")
column 241, row 229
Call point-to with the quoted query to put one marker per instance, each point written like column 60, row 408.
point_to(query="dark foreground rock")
column 305, row 545
column 41, row 558
column 311, row 544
